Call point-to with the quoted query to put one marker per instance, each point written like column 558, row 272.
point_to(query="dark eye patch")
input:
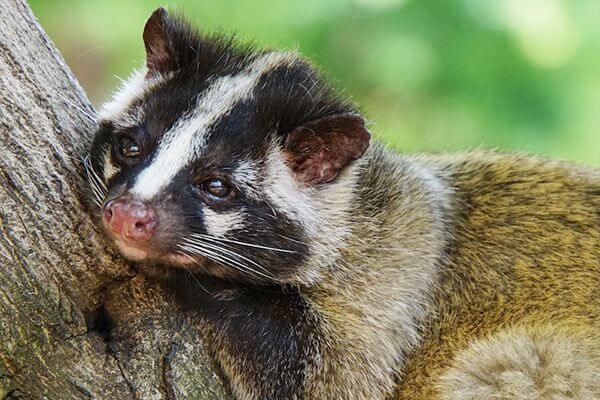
column 215, row 190
column 217, row 187
column 130, row 145
column 129, row 148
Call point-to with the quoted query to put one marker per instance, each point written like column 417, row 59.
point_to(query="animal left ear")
column 317, row 151
column 160, row 55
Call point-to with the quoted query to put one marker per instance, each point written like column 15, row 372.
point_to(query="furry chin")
column 137, row 254
column 183, row 260
column 133, row 253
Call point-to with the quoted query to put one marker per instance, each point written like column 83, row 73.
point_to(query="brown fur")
column 525, row 252
column 373, row 297
column 527, row 362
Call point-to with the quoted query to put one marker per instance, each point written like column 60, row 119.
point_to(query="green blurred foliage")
column 432, row 75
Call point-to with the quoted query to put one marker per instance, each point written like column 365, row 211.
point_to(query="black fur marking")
column 172, row 44
column 270, row 332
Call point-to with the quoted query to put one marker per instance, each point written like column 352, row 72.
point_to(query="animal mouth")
column 141, row 251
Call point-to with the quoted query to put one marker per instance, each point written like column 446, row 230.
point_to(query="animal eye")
column 129, row 148
column 217, row 188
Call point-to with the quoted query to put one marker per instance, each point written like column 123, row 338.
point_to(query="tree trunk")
column 75, row 321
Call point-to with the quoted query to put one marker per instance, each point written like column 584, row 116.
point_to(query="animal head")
column 231, row 161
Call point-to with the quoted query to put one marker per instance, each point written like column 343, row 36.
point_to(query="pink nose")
column 131, row 220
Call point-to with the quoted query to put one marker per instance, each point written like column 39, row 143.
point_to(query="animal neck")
column 378, row 292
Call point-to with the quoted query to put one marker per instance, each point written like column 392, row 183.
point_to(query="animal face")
column 223, row 159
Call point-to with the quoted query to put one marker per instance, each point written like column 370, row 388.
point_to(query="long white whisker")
column 215, row 239
column 98, row 194
column 292, row 240
column 227, row 260
column 94, row 185
column 190, row 272
column 228, row 251
column 97, row 200
column 92, row 175
column 89, row 165
column 98, row 187
column 222, row 258
column 92, row 171
column 214, row 257
column 202, row 252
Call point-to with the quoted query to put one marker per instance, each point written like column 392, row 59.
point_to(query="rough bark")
column 76, row 322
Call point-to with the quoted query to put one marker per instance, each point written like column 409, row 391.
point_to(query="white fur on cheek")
column 110, row 169
column 245, row 177
column 323, row 212
column 131, row 252
column 285, row 192
column 219, row 223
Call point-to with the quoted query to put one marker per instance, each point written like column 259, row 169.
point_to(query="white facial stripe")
column 186, row 139
column 219, row 223
column 284, row 191
column 183, row 141
column 245, row 176
column 110, row 169
column 132, row 88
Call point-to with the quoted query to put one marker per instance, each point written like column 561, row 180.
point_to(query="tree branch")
column 75, row 321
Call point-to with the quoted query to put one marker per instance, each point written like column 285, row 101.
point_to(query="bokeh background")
column 433, row 75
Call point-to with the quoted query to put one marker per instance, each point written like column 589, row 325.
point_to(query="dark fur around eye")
column 128, row 145
column 217, row 187
column 129, row 148
column 215, row 190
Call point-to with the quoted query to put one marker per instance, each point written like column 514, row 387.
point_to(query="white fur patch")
column 135, row 86
column 130, row 89
column 219, row 223
column 323, row 212
column 110, row 169
column 245, row 175
column 285, row 192
column 133, row 253
column 184, row 142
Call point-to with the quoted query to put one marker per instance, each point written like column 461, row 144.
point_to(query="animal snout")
column 130, row 219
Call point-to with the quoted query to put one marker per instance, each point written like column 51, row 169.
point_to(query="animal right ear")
column 160, row 53
column 318, row 151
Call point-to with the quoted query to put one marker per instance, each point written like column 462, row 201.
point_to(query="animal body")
column 323, row 266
